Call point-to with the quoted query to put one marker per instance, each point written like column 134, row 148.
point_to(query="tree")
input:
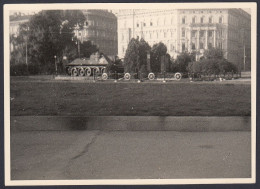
column 87, row 48
column 135, row 59
column 158, row 50
column 213, row 53
column 182, row 61
column 49, row 33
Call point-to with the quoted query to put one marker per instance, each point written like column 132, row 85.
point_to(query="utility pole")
column 244, row 57
column 26, row 48
column 133, row 23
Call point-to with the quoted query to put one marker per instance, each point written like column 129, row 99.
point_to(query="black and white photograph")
column 130, row 93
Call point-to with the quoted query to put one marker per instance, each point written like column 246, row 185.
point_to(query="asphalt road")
column 129, row 155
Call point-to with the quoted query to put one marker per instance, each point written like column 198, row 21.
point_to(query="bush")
column 33, row 69
column 211, row 66
column 18, row 69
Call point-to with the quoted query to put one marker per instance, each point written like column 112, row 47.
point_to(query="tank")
column 96, row 64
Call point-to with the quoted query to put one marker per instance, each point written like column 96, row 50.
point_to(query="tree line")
column 49, row 36
column 212, row 62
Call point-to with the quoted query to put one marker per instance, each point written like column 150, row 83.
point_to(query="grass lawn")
column 164, row 99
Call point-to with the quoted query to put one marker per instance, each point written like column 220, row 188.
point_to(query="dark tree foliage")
column 47, row 34
column 213, row 53
column 87, row 48
column 158, row 50
column 182, row 62
column 136, row 56
column 213, row 62
column 144, row 48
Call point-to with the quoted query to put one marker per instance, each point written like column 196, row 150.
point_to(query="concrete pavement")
column 90, row 154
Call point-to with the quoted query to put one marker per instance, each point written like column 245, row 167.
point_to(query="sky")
column 35, row 11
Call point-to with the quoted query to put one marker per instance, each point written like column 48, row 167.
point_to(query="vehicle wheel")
column 177, row 76
column 104, row 76
column 74, row 72
column 68, row 70
column 97, row 71
column 81, row 72
column 127, row 76
column 151, row 76
column 88, row 71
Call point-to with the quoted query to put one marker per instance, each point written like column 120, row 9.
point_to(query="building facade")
column 100, row 27
column 190, row 30
column 15, row 21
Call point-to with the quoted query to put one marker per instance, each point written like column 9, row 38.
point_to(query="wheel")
column 68, row 70
column 103, row 70
column 127, row 76
column 104, row 76
column 177, row 76
column 97, row 71
column 151, row 76
column 81, row 72
column 88, row 71
column 74, row 72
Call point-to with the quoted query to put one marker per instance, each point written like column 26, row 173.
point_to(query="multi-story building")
column 189, row 30
column 16, row 20
column 100, row 27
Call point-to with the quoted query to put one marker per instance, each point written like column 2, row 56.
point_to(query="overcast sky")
column 35, row 11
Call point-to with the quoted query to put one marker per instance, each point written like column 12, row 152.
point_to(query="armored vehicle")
column 96, row 64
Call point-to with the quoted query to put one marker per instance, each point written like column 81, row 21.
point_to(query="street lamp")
column 56, row 69
column 26, row 50
column 77, row 28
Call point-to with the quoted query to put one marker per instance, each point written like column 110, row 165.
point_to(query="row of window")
column 183, row 21
column 193, row 46
column 202, row 20
column 194, row 33
column 101, row 24
column 96, row 33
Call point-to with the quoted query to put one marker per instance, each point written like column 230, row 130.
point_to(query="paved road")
column 129, row 154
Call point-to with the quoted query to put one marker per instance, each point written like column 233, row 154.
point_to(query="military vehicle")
column 95, row 64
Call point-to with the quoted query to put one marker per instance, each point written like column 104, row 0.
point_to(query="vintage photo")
column 130, row 93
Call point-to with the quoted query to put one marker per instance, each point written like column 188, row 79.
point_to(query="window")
column 201, row 19
column 193, row 20
column 183, row 47
column 157, row 35
column 171, row 34
column 150, row 35
column 183, row 20
column 183, row 33
column 210, row 20
column 144, row 24
column 202, row 33
column 220, row 45
column 172, row 47
column 122, row 37
column 137, row 24
column 210, row 33
column 193, row 47
column 165, row 34
column 220, row 20
column 193, row 34
column 151, row 23
column 201, row 46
